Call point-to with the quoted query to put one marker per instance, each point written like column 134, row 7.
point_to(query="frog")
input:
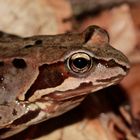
column 44, row 76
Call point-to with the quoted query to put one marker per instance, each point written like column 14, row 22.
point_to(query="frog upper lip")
column 82, row 90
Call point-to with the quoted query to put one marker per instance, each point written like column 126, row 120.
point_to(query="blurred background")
column 110, row 114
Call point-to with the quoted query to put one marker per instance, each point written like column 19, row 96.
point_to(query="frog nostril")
column 28, row 46
column 38, row 42
column 19, row 63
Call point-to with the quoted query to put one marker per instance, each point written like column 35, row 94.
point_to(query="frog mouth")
column 80, row 92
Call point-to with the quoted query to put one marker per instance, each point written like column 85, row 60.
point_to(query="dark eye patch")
column 111, row 63
column 49, row 76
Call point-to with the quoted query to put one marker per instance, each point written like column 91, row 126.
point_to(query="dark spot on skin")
column 0, row 117
column 14, row 112
column 38, row 42
column 1, row 63
column 27, row 117
column 28, row 46
column 110, row 63
column 19, row 63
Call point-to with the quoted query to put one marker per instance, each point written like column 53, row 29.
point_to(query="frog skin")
column 45, row 76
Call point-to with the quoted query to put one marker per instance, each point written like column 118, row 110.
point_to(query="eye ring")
column 79, row 62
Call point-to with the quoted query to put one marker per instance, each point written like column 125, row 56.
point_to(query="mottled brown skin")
column 36, row 82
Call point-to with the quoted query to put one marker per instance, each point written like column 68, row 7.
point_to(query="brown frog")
column 44, row 76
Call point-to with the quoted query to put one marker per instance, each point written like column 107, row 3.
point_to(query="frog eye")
column 79, row 62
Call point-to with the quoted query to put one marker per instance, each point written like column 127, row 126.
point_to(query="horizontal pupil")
column 80, row 63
